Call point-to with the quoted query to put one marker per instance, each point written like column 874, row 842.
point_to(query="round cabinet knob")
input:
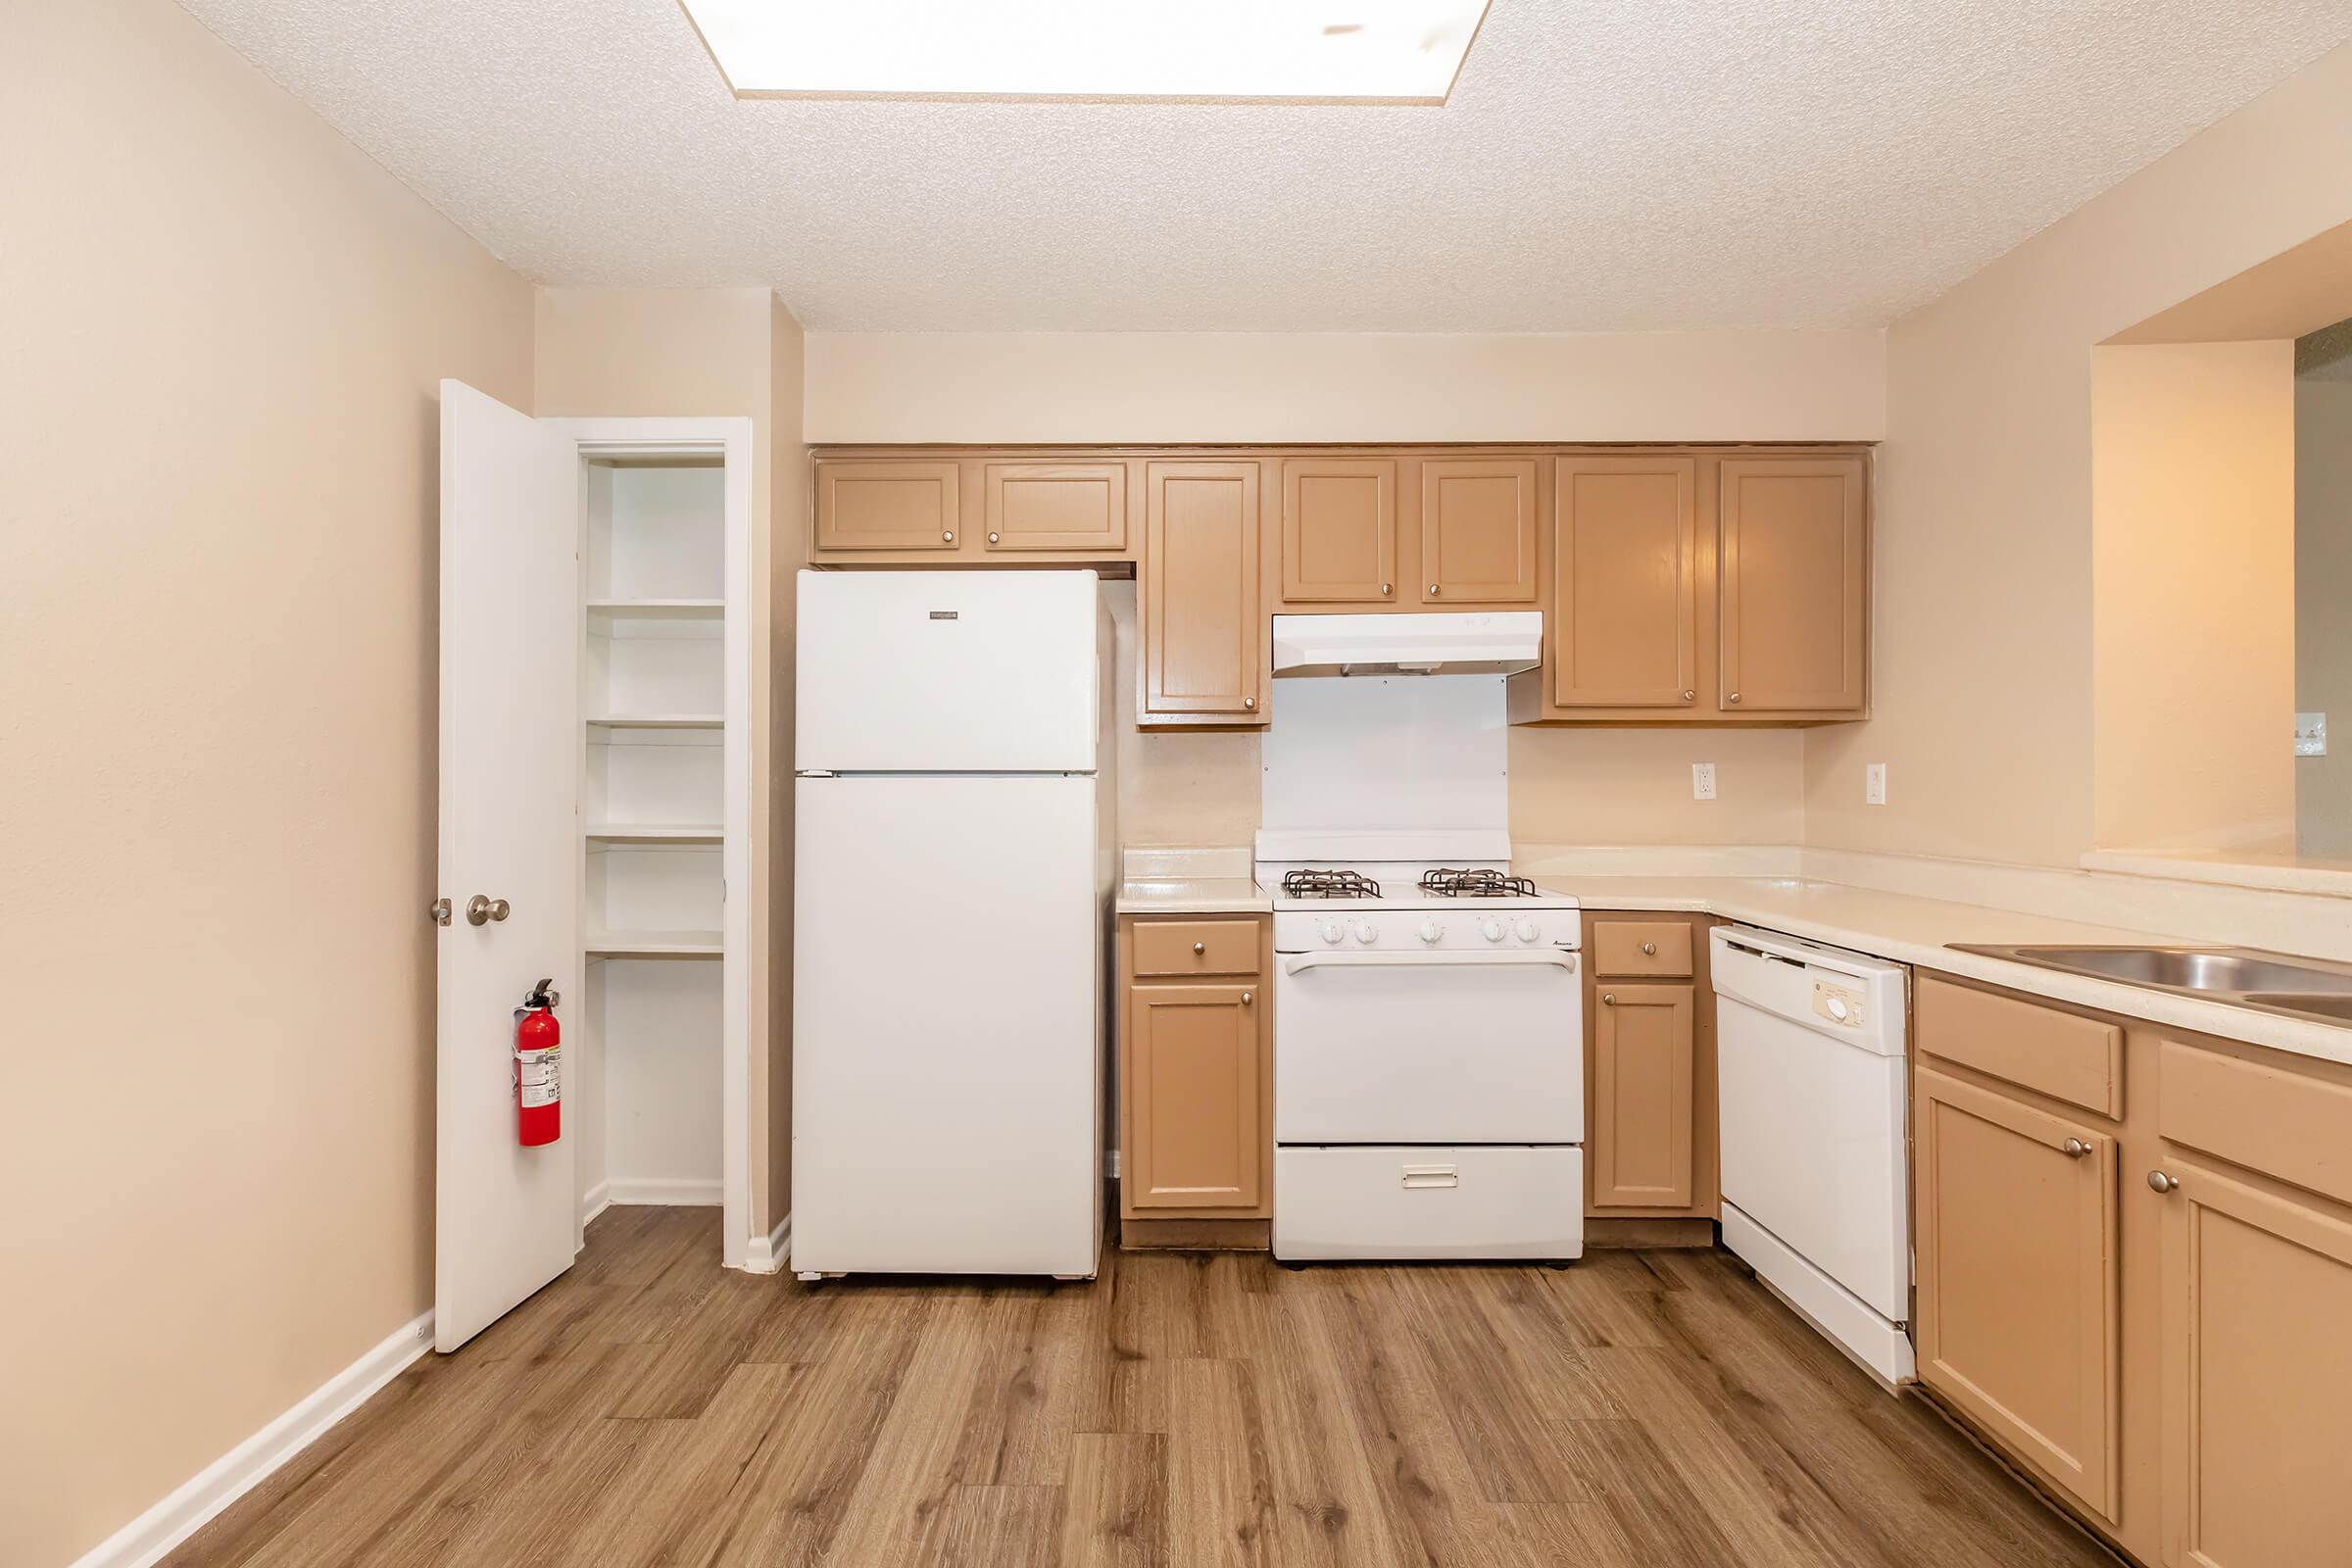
column 1200, row 946
column 991, row 538
column 1492, row 930
column 1333, row 933
column 1247, row 998
column 1649, row 950
column 1431, row 932
column 2159, row 1182
column 1735, row 697
column 1365, row 932
column 1434, row 590
column 1527, row 931
column 1690, row 695
column 2075, row 1148
column 1250, row 702
column 948, row 537
column 1387, row 588
column 1608, row 998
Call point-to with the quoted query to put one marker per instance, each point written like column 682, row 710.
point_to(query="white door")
column 948, row 672
column 511, row 742
column 947, row 1053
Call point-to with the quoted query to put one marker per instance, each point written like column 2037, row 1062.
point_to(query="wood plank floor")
column 1635, row 1411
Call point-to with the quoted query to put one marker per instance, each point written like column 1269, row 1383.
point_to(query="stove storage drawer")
column 1217, row 946
column 1424, row 1200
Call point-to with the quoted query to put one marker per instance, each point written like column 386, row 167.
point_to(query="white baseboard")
column 666, row 1191
column 188, row 1509
column 598, row 1198
column 766, row 1253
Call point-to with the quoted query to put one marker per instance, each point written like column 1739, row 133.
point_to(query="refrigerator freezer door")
column 948, row 672
column 947, row 1027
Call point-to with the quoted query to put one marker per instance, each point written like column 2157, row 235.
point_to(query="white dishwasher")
column 1809, row 1041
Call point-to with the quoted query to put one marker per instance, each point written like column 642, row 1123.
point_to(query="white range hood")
column 1489, row 643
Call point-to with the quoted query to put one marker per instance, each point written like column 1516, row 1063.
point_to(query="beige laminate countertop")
column 1208, row 895
column 1916, row 931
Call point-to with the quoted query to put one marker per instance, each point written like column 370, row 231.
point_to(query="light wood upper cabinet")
column 1203, row 626
column 1055, row 506
column 887, row 504
column 1192, row 1101
column 1625, row 582
column 2257, row 1376
column 1640, row 1126
column 1478, row 530
column 2018, row 1290
column 1794, row 584
column 1339, row 530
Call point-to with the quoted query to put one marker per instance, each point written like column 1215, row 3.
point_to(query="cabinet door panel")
column 1339, row 530
column 2018, row 1279
column 1195, row 1119
column 1794, row 584
column 1055, row 506
column 2256, row 1377
column 886, row 505
column 1641, row 1081
column 1478, row 530
column 1625, row 582
column 1204, row 644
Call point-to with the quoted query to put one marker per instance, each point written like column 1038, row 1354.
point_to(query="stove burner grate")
column 1447, row 882
column 1310, row 884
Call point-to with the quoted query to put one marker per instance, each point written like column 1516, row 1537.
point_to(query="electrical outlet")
column 2311, row 734
column 1874, row 784
column 1702, row 781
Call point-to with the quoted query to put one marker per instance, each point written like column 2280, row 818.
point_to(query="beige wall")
column 2193, row 595
column 1983, row 599
column 1336, row 386
column 2323, row 611
column 731, row 352
column 217, row 666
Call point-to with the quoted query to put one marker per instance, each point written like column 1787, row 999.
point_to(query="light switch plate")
column 1874, row 784
column 2311, row 734
column 1702, row 781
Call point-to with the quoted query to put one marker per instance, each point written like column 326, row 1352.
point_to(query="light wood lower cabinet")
column 1195, row 1073
column 1649, row 1068
column 2150, row 1311
column 2257, row 1376
column 2018, row 1277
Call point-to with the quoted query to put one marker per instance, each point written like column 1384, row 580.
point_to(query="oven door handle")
column 1524, row 958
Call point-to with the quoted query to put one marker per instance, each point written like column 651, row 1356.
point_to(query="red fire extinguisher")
column 538, row 1068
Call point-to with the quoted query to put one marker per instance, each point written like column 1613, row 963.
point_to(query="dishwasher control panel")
column 1837, row 1004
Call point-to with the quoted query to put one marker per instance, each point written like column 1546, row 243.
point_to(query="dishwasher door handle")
column 1545, row 959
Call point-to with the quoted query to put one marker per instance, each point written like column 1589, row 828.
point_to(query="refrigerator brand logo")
column 943, row 614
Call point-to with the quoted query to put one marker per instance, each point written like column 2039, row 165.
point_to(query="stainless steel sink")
column 2245, row 977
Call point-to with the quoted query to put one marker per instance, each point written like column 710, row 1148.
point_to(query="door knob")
column 482, row 908
column 2075, row 1148
column 439, row 910
column 2159, row 1182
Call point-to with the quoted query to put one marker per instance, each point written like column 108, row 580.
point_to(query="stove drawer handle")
column 1432, row 1176
column 1549, row 957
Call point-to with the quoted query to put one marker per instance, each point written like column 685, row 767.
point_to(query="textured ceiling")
column 1604, row 165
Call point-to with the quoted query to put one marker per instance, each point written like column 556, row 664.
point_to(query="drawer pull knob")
column 1649, row 950
column 2075, row 1148
column 1248, row 997
column 2159, row 1182
column 1608, row 998
column 1200, row 946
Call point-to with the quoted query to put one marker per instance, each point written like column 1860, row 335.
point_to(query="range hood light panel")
column 1304, row 51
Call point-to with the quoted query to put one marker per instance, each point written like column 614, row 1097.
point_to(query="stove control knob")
column 1432, row 932
column 1365, row 932
column 1492, row 930
column 1333, row 933
column 1526, row 931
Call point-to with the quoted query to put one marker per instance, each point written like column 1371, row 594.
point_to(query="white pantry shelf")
column 655, row 721
column 659, row 609
column 655, row 833
column 655, row 945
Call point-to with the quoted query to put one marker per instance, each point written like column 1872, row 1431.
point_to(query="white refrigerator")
column 953, row 845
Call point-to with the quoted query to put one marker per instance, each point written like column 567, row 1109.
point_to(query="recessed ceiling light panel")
column 1357, row 51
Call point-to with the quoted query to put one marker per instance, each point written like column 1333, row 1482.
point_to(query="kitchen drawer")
column 2062, row 1055
column 2289, row 1125
column 1196, row 947
column 1639, row 949
column 1419, row 1200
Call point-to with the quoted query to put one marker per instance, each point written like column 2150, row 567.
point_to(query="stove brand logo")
column 943, row 614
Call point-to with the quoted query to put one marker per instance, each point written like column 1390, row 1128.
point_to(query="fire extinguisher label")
column 539, row 1076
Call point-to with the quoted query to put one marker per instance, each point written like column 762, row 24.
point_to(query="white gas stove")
column 1428, row 1049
